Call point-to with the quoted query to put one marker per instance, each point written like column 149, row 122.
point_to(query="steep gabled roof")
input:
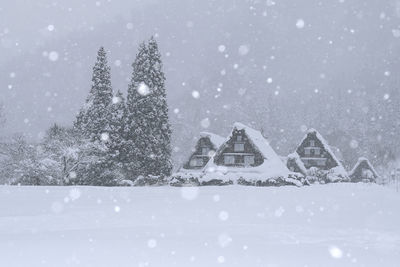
column 324, row 143
column 270, row 168
column 215, row 139
column 361, row 160
column 337, row 153
column 296, row 159
column 259, row 142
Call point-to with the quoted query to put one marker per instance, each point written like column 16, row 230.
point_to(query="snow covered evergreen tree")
column 95, row 122
column 93, row 119
column 116, row 139
column 149, row 131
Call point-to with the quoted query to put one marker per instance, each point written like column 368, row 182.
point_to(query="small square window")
column 196, row 162
column 229, row 160
column 238, row 147
column 205, row 150
column 248, row 160
column 239, row 138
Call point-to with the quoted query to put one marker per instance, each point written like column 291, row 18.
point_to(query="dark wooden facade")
column 313, row 153
column 238, row 151
column 199, row 158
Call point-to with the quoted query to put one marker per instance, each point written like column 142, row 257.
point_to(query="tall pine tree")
column 117, row 135
column 93, row 119
column 93, row 123
column 148, row 128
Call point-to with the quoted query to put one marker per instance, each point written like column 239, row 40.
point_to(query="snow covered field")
column 321, row 225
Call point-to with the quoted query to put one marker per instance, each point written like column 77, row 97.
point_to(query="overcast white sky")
column 251, row 60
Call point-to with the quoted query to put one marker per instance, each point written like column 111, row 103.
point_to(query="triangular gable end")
column 362, row 163
column 205, row 147
column 246, row 142
column 315, row 151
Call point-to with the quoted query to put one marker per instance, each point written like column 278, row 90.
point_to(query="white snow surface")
column 271, row 168
column 320, row 225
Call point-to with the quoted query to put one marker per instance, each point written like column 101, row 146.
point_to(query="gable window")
column 239, row 160
column 239, row 138
column 229, row 160
column 205, row 150
column 238, row 147
column 196, row 162
column 307, row 151
column 248, row 160
column 312, row 143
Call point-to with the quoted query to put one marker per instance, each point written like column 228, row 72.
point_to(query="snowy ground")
column 327, row 225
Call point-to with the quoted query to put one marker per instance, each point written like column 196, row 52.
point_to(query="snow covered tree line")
column 113, row 141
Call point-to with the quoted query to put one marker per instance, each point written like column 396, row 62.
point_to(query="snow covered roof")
column 337, row 153
column 324, row 143
column 255, row 137
column 361, row 160
column 296, row 158
column 272, row 167
column 215, row 139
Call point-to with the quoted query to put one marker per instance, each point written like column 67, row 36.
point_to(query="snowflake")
column 335, row 252
column 300, row 24
column 53, row 56
column 195, row 94
column 152, row 243
column 223, row 215
column 143, row 89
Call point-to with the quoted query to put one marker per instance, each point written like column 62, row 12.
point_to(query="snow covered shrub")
column 334, row 175
column 149, row 180
column 125, row 183
column 178, row 180
column 293, row 179
column 27, row 164
column 216, row 182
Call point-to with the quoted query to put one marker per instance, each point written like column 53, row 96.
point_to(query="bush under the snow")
column 334, row 175
column 196, row 180
column 150, row 181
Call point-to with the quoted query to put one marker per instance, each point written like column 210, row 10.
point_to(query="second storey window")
column 238, row 147
column 196, row 162
column 205, row 150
